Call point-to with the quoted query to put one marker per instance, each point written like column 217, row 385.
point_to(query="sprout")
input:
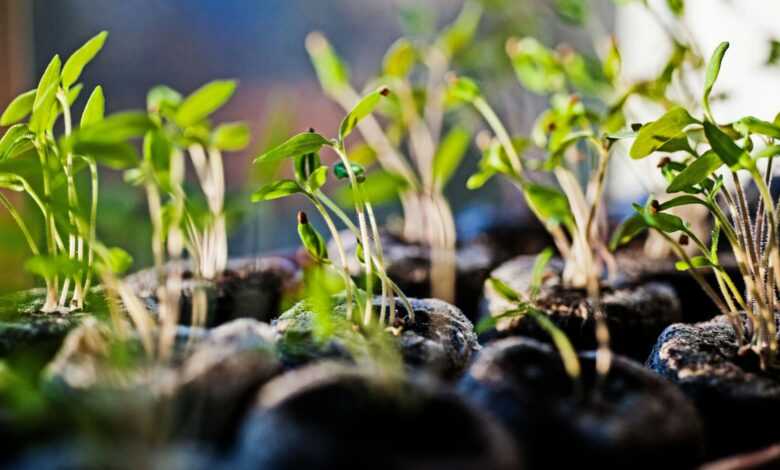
column 310, row 176
column 416, row 117
column 717, row 153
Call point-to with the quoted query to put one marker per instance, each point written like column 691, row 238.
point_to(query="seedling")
column 310, row 176
column 67, row 260
column 415, row 71
column 523, row 306
column 717, row 153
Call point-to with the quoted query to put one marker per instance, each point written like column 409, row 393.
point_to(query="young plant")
column 709, row 177
column 34, row 161
column 310, row 177
column 415, row 71
column 524, row 307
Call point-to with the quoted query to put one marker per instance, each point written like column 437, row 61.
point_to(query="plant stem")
column 20, row 222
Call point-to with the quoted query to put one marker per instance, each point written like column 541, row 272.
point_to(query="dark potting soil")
column 636, row 313
column 739, row 403
column 409, row 264
column 327, row 416
column 251, row 287
column 218, row 381
column 630, row 419
column 440, row 339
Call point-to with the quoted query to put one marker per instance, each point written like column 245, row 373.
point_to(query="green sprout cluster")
column 35, row 161
column 310, row 176
column 708, row 175
column 415, row 146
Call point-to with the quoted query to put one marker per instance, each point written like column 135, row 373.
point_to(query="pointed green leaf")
column 627, row 231
column 461, row 32
column 50, row 266
column 43, row 109
column 18, row 109
column 79, row 59
column 504, row 290
column 696, row 172
column 318, row 178
column 548, row 203
column 654, row 135
column 118, row 127
column 696, row 262
column 116, row 260
column 276, row 190
column 12, row 137
column 754, row 125
column 331, row 71
column 450, row 153
column 383, row 187
column 713, row 70
column 729, row 152
column 301, row 144
column 363, row 108
column 682, row 200
column 478, row 179
column 204, row 101
column 50, row 78
column 311, row 239
column 231, row 136
column 464, row 89
column 162, row 97
column 95, row 108
column 399, row 59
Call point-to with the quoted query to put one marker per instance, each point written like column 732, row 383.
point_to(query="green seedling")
column 523, row 306
column 715, row 156
column 417, row 119
column 310, row 176
column 33, row 160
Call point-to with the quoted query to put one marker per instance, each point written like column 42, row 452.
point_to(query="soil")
column 327, row 416
column 630, row 419
column 253, row 287
column 409, row 264
column 739, row 403
column 636, row 313
column 440, row 339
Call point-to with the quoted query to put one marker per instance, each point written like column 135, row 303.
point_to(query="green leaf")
column 18, row 109
column 502, row 289
column 363, row 108
column 537, row 272
column 464, row 89
column 572, row 11
column 276, row 190
column 754, row 125
column 301, row 144
column 478, row 179
column 696, row 262
column 450, row 153
column 318, row 178
column 682, row 200
column 461, row 32
column 696, row 172
column 729, row 152
column 331, row 71
column 383, row 187
column 774, row 52
column 535, row 66
column 399, row 59
column 42, row 110
column 232, row 136
column 74, row 92
column 629, row 229
column 49, row 267
column 612, row 62
column 50, row 78
column 548, row 203
column 204, row 101
column 676, row 6
column 664, row 222
column 162, row 97
column 654, row 135
column 713, row 69
column 568, row 354
column 118, row 127
column 116, row 260
column 116, row 155
column 79, row 59
column 12, row 137
column 95, row 109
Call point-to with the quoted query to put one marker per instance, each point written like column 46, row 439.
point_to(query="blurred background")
column 261, row 43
